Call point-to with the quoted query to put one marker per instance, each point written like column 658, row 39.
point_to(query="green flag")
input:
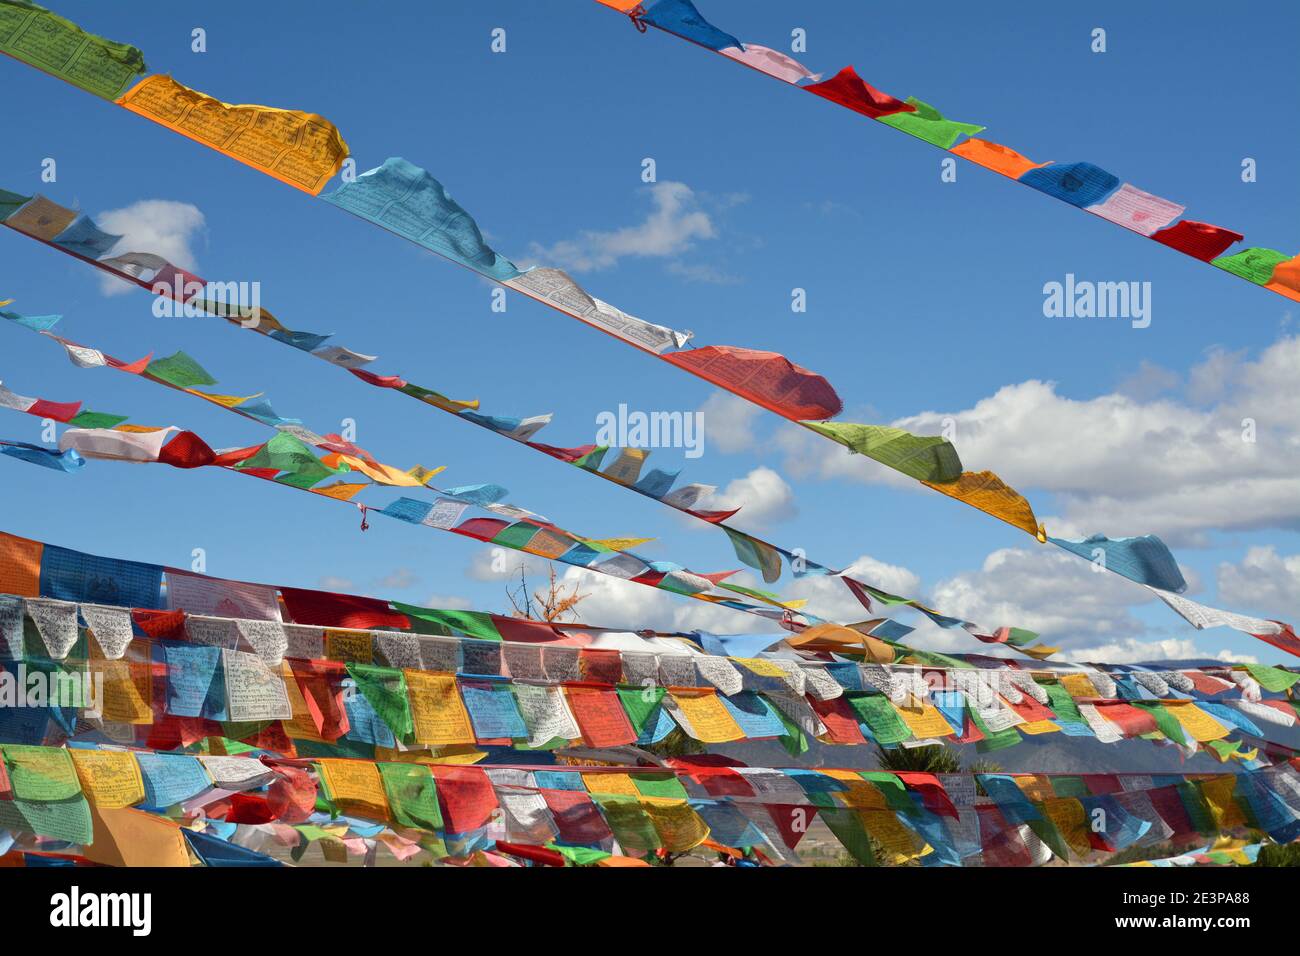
column 412, row 795
column 180, row 370
column 49, row 42
column 928, row 123
column 921, row 457
column 1255, row 264
column 470, row 623
column 384, row 688
column 880, row 717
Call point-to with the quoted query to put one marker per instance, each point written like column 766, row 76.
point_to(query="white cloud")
column 762, row 495
column 702, row 272
column 611, row 602
column 448, row 602
column 1148, row 381
column 331, row 583
column 1132, row 651
column 162, row 226
column 1044, row 590
column 1122, row 465
column 830, row 598
column 729, row 422
column 500, row 564
column 399, row 579
column 1264, row 581
column 674, row 223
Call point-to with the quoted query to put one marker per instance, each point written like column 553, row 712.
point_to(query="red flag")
column 767, row 378
column 1198, row 239
column 849, row 89
column 342, row 610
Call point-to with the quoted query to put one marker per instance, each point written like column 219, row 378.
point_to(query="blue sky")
column 924, row 297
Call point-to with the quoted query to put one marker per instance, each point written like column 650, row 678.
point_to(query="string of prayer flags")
column 288, row 460
column 1080, row 184
column 291, row 463
column 333, row 703
column 768, row 379
column 1200, row 616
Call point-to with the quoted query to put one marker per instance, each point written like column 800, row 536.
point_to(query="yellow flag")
column 1035, row 786
column 355, row 785
column 126, row 837
column 1200, row 725
column 340, row 490
column 356, row 647
column 924, row 720
column 860, row 794
column 109, row 778
column 379, row 473
column 128, row 690
column 620, row 544
column 437, row 710
column 1038, row 727
column 761, row 666
column 425, row 475
column 1218, row 795
column 705, row 716
column 616, row 783
column 987, row 492
column 225, row 401
column 897, row 843
column 301, row 149
column 1071, row 820
column 679, row 827
column 1078, row 685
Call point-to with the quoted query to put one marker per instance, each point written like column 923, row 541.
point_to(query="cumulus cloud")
column 1044, row 590
column 729, row 422
column 500, row 564
column 1264, row 581
column 674, row 223
column 1148, row 381
column 1133, row 651
column 1174, row 466
column 161, row 226
column 611, row 602
column 331, row 583
column 828, row 597
column 763, row 496
column 398, row 579
column 448, row 602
